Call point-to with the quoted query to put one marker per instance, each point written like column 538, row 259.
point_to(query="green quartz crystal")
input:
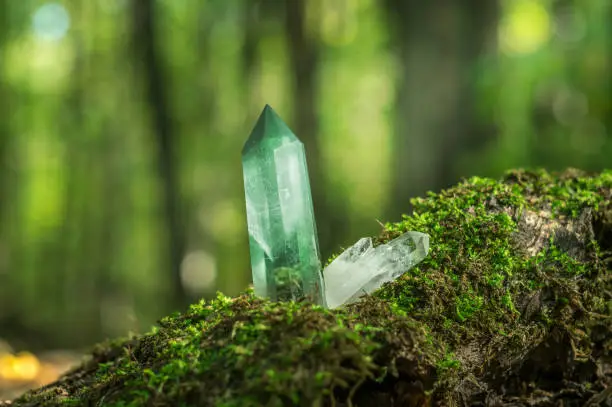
column 282, row 233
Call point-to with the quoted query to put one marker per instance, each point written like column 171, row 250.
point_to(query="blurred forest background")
column 122, row 121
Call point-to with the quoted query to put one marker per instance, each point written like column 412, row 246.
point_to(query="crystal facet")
column 361, row 269
column 282, row 233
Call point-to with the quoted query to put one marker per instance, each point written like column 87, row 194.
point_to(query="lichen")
column 514, row 266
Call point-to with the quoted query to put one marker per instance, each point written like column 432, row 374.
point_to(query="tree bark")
column 146, row 51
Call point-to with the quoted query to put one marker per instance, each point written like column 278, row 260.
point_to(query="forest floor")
column 20, row 372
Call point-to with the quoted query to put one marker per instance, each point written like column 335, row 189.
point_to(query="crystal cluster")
column 362, row 268
column 285, row 258
column 283, row 241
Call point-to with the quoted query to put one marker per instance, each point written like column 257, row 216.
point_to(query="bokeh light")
column 570, row 25
column 569, row 106
column 198, row 272
column 525, row 28
column 51, row 22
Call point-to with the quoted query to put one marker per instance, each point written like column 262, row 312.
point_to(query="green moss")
column 252, row 350
column 476, row 286
column 470, row 262
column 467, row 305
column 449, row 362
column 468, row 286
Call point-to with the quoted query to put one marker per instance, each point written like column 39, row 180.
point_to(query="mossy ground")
column 512, row 305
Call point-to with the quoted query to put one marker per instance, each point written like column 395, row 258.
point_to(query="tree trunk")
column 5, row 137
column 146, row 51
column 437, row 45
column 304, row 55
column 511, row 307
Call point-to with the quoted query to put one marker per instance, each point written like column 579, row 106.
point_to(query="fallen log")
column 512, row 307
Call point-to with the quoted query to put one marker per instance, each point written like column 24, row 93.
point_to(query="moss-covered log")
column 512, row 307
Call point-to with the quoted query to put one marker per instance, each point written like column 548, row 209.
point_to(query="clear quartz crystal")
column 362, row 268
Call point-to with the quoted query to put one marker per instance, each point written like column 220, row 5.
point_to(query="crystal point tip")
column 269, row 125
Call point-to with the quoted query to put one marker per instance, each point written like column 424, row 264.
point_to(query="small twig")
column 352, row 392
column 605, row 395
